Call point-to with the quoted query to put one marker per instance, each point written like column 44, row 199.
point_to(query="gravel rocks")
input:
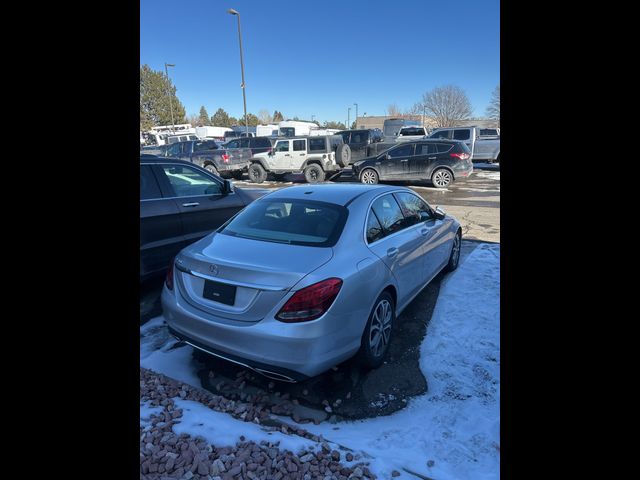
column 165, row 455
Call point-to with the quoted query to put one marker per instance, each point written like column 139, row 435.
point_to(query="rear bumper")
column 232, row 167
column 294, row 350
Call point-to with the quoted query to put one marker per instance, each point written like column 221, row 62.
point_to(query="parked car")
column 179, row 204
column 440, row 161
column 315, row 156
column 309, row 276
column 408, row 134
column 256, row 144
column 482, row 149
column 360, row 140
column 208, row 155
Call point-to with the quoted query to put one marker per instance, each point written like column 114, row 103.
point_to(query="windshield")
column 291, row 221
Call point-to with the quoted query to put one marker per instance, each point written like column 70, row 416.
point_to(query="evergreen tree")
column 253, row 120
column 156, row 90
column 203, row 120
column 221, row 119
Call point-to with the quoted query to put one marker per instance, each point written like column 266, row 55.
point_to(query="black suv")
column 256, row 144
column 438, row 160
column 179, row 204
column 359, row 141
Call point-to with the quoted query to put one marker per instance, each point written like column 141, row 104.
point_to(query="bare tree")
column 264, row 117
column 193, row 119
column 493, row 110
column 448, row 105
column 393, row 111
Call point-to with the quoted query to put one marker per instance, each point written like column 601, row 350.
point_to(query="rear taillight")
column 169, row 280
column 225, row 158
column 461, row 156
column 310, row 302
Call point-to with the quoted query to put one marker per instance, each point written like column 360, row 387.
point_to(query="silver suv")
column 315, row 156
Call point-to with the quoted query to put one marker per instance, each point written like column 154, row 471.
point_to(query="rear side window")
column 444, row 147
column 261, row 142
column 389, row 214
column 358, row 137
column 298, row 146
column 464, row 134
column 426, row 149
column 336, row 141
column 441, row 134
column 316, row 144
column 206, row 145
column 374, row 229
column 149, row 188
column 464, row 148
column 345, row 137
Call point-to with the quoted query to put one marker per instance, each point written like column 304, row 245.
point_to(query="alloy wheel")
column 442, row 178
column 369, row 177
column 380, row 330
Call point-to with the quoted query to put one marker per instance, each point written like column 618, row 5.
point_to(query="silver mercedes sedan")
column 309, row 276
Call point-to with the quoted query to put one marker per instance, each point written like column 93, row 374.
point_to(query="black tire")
column 257, row 173
column 210, row 167
column 369, row 176
column 343, row 155
column 441, row 178
column 498, row 159
column 314, row 173
column 454, row 258
column 371, row 353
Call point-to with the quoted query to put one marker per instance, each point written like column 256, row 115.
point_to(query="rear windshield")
column 291, row 221
column 412, row 131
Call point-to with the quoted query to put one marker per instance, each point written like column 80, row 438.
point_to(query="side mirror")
column 387, row 157
column 227, row 187
column 439, row 213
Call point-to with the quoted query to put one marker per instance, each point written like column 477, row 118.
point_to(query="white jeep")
column 318, row 157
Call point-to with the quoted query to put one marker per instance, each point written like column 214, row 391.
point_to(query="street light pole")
column 166, row 70
column 356, row 115
column 349, row 118
column 244, row 96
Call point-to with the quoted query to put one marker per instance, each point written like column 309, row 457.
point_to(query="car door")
column 396, row 161
column 281, row 159
column 419, row 163
column 202, row 205
column 299, row 153
column 434, row 246
column 161, row 236
column 398, row 246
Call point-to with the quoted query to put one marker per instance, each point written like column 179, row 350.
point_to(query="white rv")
column 294, row 128
column 217, row 133
column 268, row 130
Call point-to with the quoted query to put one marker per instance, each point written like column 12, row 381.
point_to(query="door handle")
column 392, row 252
column 432, row 158
column 192, row 204
column 302, row 154
column 424, row 231
column 287, row 155
column 405, row 160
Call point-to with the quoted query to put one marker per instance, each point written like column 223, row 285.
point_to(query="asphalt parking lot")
column 347, row 391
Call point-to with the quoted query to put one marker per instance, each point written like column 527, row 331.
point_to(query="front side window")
column 316, row 144
column 389, row 214
column 463, row 134
column 414, row 209
column 291, row 221
column 189, row 182
column 282, row 146
column 204, row 145
column 174, row 150
column 299, row 146
column 403, row 151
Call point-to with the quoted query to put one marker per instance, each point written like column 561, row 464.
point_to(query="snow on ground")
column 488, row 174
column 157, row 354
column 222, row 429
column 456, row 424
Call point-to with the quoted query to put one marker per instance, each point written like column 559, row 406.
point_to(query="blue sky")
column 318, row 58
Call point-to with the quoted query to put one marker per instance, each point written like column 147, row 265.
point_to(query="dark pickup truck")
column 361, row 142
column 208, row 155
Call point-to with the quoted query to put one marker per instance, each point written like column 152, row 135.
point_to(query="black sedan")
column 179, row 204
column 437, row 160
